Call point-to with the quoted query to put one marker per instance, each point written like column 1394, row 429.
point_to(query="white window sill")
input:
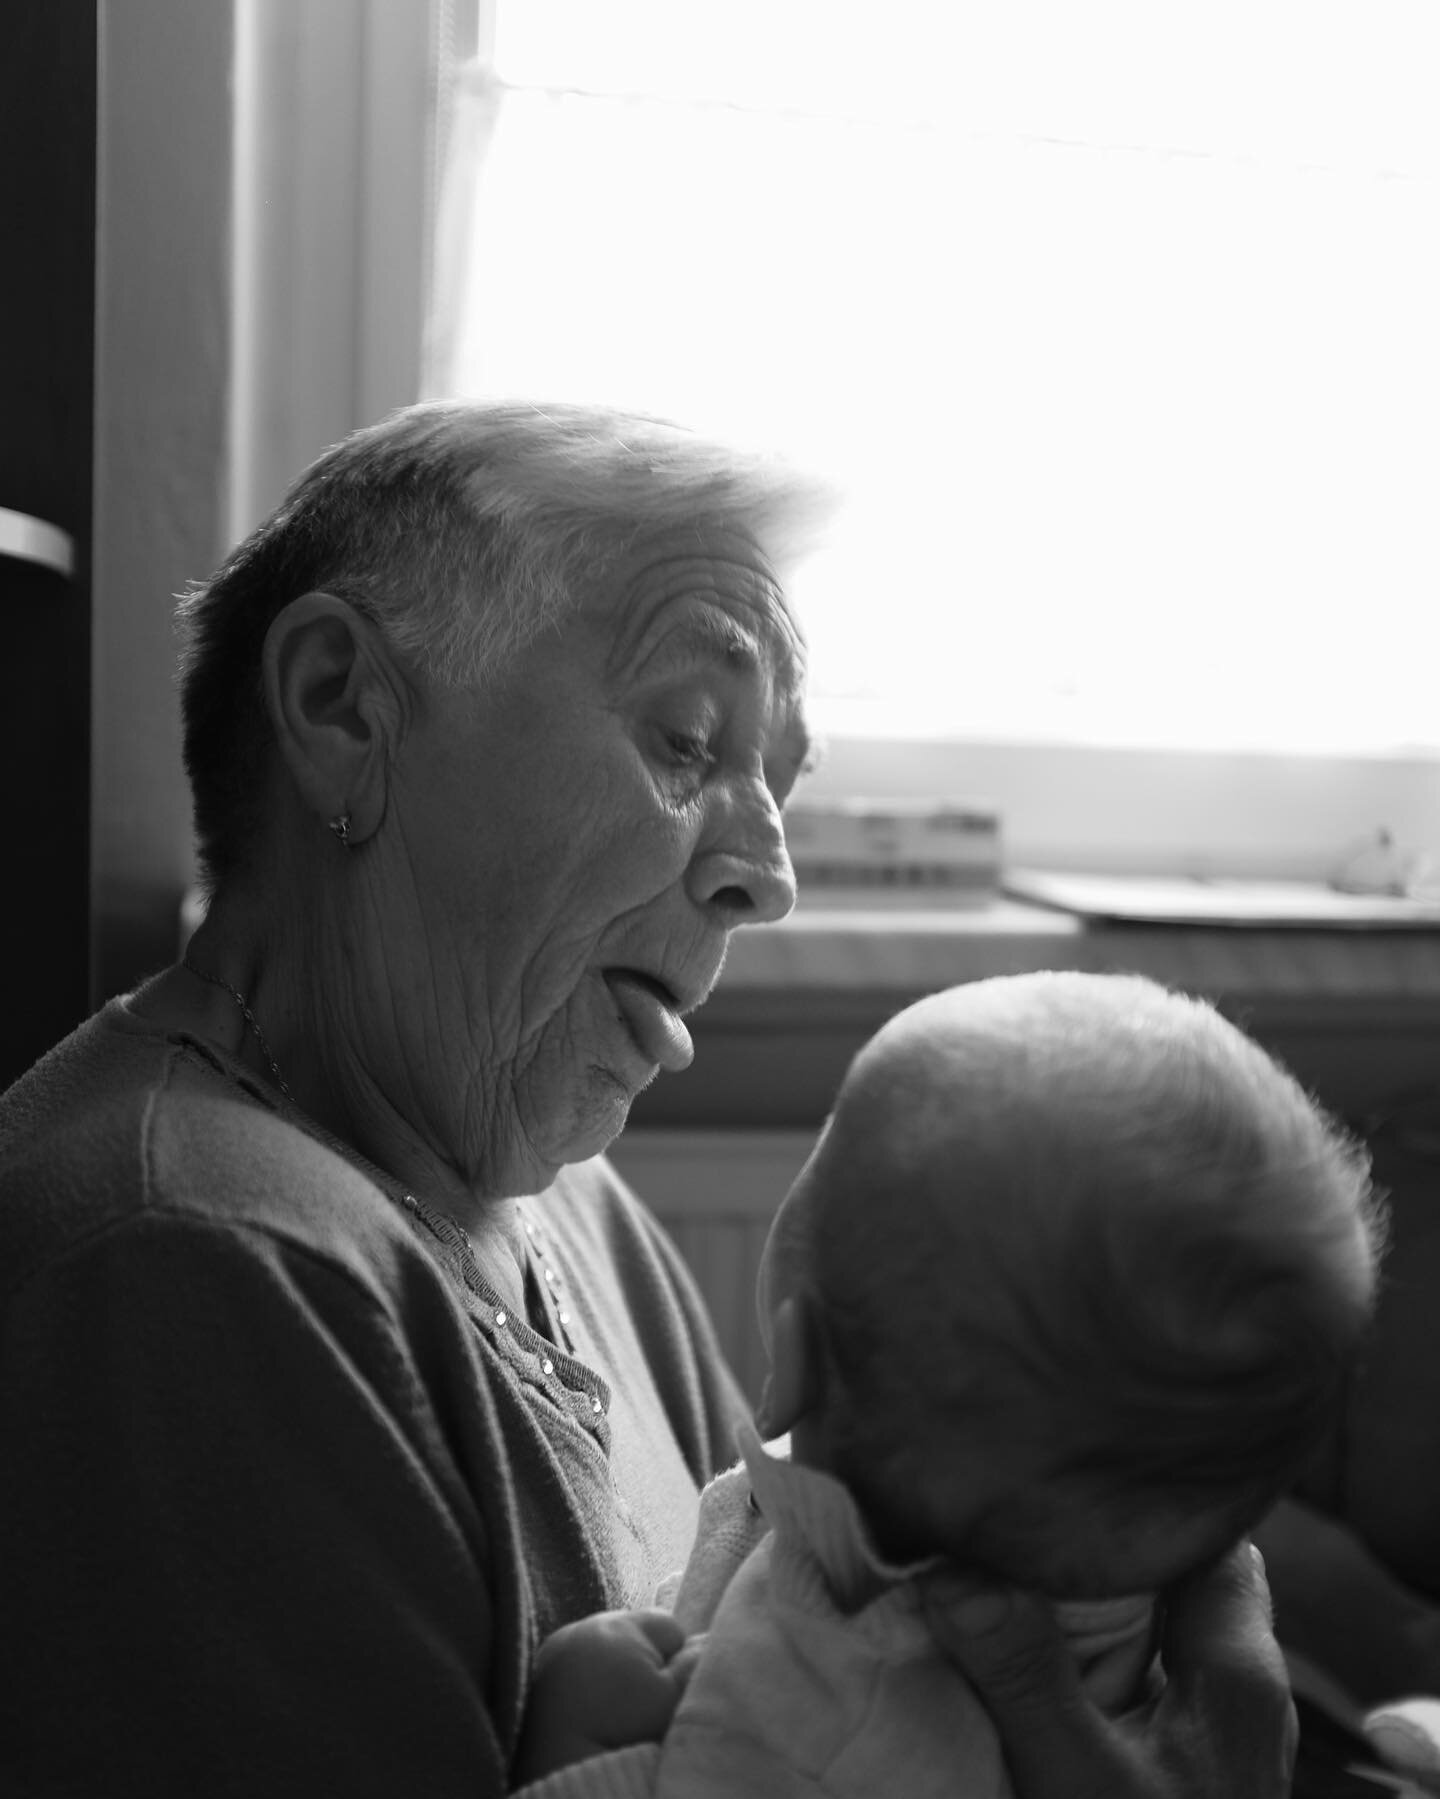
column 917, row 950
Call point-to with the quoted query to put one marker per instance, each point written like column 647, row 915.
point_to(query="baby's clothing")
column 820, row 1674
column 730, row 1526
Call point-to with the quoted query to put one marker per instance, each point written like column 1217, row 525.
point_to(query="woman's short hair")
column 462, row 530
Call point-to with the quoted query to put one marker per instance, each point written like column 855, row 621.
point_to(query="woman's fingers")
column 1057, row 1746
column 1226, row 1685
column 1223, row 1728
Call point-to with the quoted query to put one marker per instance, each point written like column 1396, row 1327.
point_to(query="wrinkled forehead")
column 709, row 595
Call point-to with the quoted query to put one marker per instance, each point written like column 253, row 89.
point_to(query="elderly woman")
column 337, row 1373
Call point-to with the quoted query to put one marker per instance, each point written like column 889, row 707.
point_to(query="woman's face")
column 568, row 849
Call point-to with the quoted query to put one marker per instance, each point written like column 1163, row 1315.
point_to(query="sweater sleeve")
column 227, row 1437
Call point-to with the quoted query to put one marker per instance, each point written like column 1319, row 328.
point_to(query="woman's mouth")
column 649, row 1010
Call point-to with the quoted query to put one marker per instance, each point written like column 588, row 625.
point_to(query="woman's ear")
column 335, row 701
column 793, row 1386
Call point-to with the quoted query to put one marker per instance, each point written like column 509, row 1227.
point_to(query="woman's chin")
column 587, row 1127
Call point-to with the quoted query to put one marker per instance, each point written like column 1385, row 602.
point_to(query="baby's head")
column 1070, row 1284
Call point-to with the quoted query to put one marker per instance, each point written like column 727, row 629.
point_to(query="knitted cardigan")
column 287, row 1500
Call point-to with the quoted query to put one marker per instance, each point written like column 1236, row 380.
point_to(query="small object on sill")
column 883, row 853
column 1377, row 865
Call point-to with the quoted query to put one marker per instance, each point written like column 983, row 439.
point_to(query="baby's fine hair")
column 1086, row 1206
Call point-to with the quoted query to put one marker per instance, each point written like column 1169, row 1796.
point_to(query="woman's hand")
column 604, row 1682
column 1223, row 1728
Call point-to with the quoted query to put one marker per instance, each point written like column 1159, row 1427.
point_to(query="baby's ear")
column 792, row 1387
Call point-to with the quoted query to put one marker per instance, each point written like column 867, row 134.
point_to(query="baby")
column 1064, row 1296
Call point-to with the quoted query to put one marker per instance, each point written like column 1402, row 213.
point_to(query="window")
column 1119, row 320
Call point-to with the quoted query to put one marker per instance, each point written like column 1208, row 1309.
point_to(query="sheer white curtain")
column 1122, row 322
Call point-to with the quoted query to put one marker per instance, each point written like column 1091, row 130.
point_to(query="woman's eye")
column 688, row 750
column 684, row 734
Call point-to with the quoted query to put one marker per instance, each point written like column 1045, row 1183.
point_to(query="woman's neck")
column 281, row 1013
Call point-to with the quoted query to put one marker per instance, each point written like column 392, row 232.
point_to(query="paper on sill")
column 1178, row 900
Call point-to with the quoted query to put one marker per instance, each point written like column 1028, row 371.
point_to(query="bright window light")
column 1118, row 320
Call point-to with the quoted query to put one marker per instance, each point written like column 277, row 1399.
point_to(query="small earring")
column 340, row 825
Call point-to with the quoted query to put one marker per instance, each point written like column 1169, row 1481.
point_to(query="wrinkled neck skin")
column 366, row 1024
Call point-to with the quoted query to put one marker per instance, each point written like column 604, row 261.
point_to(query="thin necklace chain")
column 216, row 980
column 549, row 1274
column 448, row 1230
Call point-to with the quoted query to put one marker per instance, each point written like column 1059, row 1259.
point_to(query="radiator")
column 716, row 1192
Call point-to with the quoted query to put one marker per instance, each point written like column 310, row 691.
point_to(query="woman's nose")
column 743, row 867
